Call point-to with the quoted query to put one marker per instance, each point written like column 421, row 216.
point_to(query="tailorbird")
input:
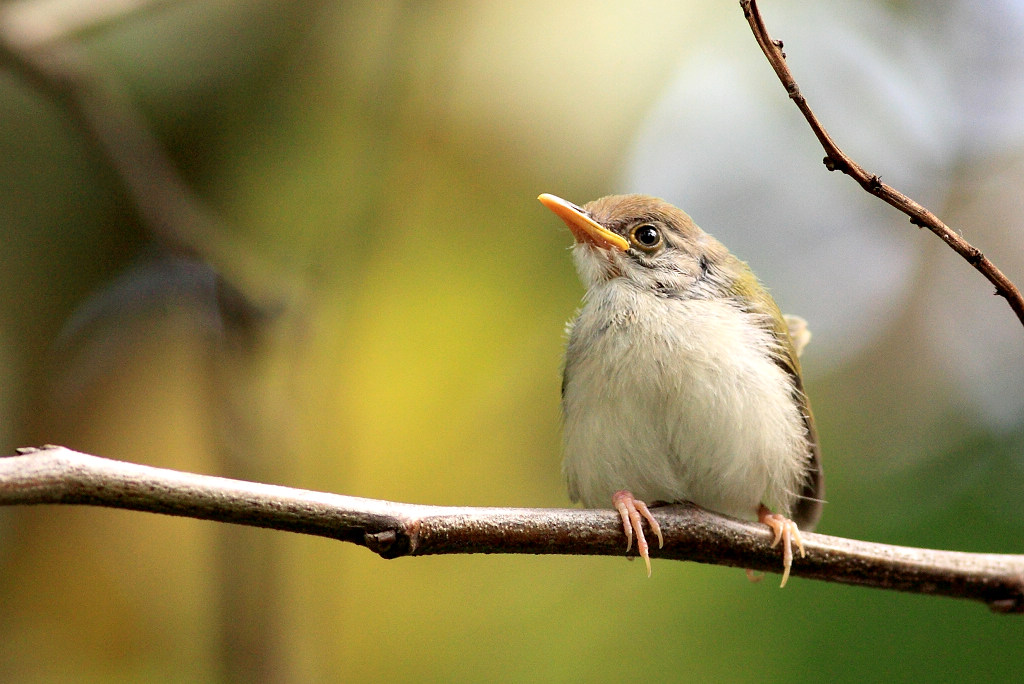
column 681, row 379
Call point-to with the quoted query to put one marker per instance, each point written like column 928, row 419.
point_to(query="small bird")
column 681, row 379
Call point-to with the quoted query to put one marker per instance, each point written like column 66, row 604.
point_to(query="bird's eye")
column 646, row 237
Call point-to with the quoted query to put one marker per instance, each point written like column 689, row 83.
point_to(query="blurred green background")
column 374, row 168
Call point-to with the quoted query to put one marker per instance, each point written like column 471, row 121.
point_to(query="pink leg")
column 785, row 531
column 633, row 512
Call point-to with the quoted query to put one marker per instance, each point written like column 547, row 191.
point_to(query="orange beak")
column 584, row 228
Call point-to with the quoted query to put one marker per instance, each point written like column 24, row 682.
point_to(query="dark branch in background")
column 174, row 216
column 59, row 69
column 183, row 267
column 55, row 475
column 837, row 160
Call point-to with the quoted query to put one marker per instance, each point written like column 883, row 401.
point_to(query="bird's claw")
column 785, row 531
column 633, row 512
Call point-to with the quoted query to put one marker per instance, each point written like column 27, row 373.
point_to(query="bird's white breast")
column 678, row 399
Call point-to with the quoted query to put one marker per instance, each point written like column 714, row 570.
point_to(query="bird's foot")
column 785, row 531
column 633, row 511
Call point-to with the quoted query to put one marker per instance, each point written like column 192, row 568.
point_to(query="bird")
column 681, row 379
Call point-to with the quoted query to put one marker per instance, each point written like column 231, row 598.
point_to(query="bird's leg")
column 632, row 510
column 785, row 531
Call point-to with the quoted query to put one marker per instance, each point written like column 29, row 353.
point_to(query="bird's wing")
column 809, row 504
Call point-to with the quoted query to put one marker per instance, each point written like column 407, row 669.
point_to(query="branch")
column 837, row 160
column 56, row 475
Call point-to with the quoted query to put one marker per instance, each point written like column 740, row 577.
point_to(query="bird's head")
column 648, row 242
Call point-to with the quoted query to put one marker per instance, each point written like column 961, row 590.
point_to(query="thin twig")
column 55, row 475
column 837, row 160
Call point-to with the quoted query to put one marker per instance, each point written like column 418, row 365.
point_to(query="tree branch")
column 837, row 160
column 56, row 475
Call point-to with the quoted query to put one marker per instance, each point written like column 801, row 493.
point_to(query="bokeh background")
column 363, row 296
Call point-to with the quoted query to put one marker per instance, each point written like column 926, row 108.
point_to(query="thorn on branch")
column 387, row 544
column 22, row 451
column 1006, row 606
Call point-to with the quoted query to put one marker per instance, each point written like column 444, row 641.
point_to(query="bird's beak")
column 584, row 228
